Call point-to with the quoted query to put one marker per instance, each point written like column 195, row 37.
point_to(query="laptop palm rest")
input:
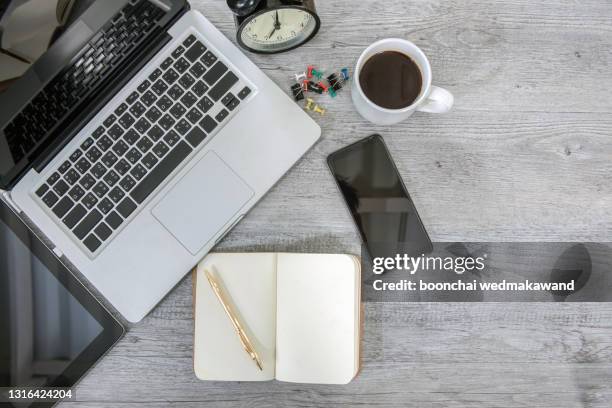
column 202, row 202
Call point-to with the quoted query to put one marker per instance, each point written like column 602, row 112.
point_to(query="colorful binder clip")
column 335, row 82
column 310, row 86
column 344, row 74
column 298, row 92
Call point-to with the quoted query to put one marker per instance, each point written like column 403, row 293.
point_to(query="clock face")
column 278, row 29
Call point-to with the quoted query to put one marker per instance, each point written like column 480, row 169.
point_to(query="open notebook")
column 300, row 311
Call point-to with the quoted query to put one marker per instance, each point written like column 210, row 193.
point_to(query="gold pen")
column 244, row 339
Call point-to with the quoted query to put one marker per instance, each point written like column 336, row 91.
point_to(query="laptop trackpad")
column 202, row 202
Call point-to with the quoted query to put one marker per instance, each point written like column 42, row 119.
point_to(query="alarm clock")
column 272, row 26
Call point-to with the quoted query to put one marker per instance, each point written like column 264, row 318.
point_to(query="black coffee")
column 391, row 80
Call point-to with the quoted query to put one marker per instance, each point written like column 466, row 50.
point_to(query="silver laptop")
column 150, row 181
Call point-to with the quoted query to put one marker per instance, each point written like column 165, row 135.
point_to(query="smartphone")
column 378, row 200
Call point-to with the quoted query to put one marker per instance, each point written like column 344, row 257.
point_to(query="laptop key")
column 205, row 104
column 189, row 99
column 116, row 194
column 159, row 87
column 98, row 132
column 75, row 155
column 166, row 64
column 155, row 74
column 89, row 201
column 63, row 206
column 87, row 224
column 194, row 115
column 105, row 206
column 197, row 70
column 224, row 85
column 164, row 103
column 98, row 170
column 72, row 176
column 138, row 109
column 138, row 172
column 189, row 40
column 153, row 114
column 175, row 92
column 142, row 125
column 132, row 98
column 64, row 167
column 87, row 181
column 53, row 178
column 126, row 207
column 127, row 183
column 111, row 178
column 177, row 52
column 167, row 122
column 233, row 104
column 144, row 86
column 87, row 143
column 109, row 159
column 120, row 148
column 149, row 161
column 161, row 172
column 208, row 124
column 92, row 243
column 83, row 165
column 74, row 216
column 103, row 231
column 182, row 127
column 200, row 88
column 222, row 115
column 50, row 199
column 215, row 73
column 104, row 143
column 61, row 188
column 177, row 110
column 160, row 149
column 244, row 92
column 122, row 167
column 195, row 136
column 131, row 137
column 76, row 193
column 170, row 76
column 114, row 220
column 93, row 154
column 186, row 81
column 208, row 59
column 148, row 98
column 155, row 133
column 171, row 138
column 100, row 189
column 195, row 51
column 144, row 144
column 121, row 109
column 42, row 190
column 181, row 65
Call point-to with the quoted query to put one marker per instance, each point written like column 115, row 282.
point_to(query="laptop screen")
column 28, row 28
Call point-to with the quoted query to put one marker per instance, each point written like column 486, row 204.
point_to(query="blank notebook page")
column 249, row 280
column 317, row 309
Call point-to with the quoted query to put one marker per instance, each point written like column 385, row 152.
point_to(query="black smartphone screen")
column 378, row 200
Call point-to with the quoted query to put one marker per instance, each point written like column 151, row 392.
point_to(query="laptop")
column 138, row 140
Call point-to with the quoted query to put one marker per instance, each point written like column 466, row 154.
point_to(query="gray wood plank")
column 525, row 155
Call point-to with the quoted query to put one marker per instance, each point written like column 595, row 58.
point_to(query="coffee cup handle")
column 438, row 101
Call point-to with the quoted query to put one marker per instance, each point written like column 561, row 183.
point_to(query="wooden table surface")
column 525, row 155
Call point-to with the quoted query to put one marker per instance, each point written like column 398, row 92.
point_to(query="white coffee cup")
column 432, row 99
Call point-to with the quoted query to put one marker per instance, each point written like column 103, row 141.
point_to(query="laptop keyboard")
column 106, row 50
column 184, row 100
